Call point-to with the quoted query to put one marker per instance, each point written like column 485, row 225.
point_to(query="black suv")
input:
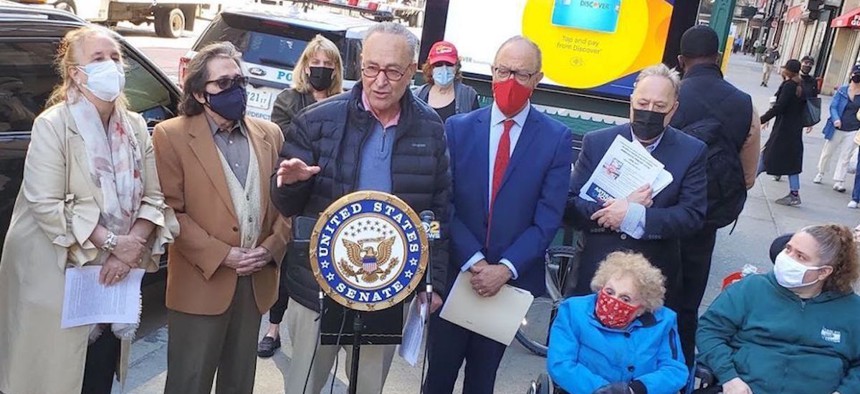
column 271, row 42
column 29, row 38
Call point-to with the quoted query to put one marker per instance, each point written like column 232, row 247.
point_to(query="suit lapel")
column 527, row 135
column 79, row 154
column 482, row 131
column 206, row 152
column 264, row 151
column 663, row 150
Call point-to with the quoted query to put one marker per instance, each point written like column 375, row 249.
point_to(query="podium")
column 338, row 323
column 368, row 252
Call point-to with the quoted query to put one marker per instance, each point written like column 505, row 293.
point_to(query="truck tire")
column 169, row 23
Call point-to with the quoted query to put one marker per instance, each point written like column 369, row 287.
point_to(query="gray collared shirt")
column 234, row 145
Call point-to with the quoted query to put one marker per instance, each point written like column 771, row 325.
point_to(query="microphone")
column 430, row 224
column 431, row 227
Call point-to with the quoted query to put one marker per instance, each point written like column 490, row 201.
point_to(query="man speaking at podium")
column 510, row 165
column 375, row 137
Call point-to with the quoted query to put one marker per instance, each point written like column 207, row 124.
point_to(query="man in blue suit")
column 643, row 222
column 510, row 166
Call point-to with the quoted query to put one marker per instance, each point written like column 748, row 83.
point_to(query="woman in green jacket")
column 795, row 330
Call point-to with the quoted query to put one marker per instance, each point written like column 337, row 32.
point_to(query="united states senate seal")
column 368, row 251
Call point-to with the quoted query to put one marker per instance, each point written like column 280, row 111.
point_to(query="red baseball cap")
column 443, row 51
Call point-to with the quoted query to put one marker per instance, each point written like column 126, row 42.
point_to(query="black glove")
column 613, row 388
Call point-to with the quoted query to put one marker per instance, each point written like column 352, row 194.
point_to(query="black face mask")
column 647, row 125
column 320, row 77
column 855, row 78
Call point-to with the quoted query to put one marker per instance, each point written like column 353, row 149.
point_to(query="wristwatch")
column 110, row 242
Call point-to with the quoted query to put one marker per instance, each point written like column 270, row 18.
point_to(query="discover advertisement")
column 596, row 46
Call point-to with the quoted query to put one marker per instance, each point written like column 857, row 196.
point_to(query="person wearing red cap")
column 444, row 91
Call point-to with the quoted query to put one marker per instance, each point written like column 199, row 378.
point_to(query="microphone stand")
column 428, row 217
column 357, row 326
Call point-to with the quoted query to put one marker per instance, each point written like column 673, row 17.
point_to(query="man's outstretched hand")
column 294, row 170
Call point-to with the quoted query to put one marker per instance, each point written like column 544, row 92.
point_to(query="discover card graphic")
column 599, row 16
column 594, row 45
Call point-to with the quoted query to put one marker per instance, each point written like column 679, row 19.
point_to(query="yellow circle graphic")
column 604, row 41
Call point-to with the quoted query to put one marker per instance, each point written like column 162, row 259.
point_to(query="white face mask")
column 789, row 273
column 105, row 79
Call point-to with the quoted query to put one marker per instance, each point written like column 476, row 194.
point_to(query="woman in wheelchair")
column 795, row 330
column 620, row 340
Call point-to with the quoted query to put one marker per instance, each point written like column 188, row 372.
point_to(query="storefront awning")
column 850, row 19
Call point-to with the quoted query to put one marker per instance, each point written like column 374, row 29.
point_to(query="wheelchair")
column 703, row 381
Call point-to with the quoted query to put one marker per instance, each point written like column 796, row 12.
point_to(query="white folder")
column 497, row 317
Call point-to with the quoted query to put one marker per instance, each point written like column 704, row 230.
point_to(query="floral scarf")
column 114, row 163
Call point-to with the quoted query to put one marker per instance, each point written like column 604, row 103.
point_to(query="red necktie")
column 503, row 156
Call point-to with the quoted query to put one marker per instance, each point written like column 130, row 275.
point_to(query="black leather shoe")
column 267, row 346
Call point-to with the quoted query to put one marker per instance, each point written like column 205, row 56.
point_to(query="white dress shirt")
column 497, row 128
column 633, row 223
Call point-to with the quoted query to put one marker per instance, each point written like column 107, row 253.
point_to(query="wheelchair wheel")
column 541, row 385
column 561, row 263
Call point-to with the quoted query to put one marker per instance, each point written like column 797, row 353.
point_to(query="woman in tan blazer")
column 90, row 196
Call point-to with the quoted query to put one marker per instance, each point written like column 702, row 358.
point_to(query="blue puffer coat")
column 584, row 355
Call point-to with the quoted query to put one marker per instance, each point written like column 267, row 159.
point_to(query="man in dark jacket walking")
column 725, row 119
column 809, row 83
column 375, row 137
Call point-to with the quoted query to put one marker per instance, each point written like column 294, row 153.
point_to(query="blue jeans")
column 855, row 194
column 794, row 179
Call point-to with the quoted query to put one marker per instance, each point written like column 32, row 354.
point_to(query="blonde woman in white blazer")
column 90, row 196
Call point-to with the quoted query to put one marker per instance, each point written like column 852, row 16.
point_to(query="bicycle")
column 562, row 263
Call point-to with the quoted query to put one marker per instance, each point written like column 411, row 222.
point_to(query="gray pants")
column 199, row 345
column 303, row 327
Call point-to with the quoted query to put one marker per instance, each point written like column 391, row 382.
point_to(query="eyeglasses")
column 227, row 83
column 520, row 75
column 391, row 74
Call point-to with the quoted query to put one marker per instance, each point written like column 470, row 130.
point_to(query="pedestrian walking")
column 840, row 130
column 770, row 58
column 855, row 192
column 783, row 151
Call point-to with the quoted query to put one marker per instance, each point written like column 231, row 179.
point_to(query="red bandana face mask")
column 612, row 312
column 510, row 96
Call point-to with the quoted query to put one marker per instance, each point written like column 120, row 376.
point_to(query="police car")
column 271, row 42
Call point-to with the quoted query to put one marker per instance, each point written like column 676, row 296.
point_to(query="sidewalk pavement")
column 759, row 224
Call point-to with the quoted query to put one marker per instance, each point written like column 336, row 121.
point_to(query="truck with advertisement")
column 169, row 17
